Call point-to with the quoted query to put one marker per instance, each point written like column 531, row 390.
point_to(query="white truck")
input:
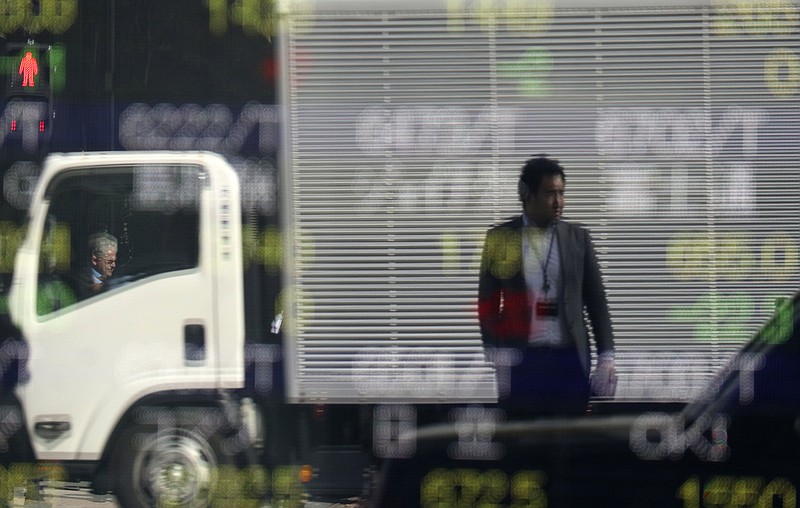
column 142, row 385
column 170, row 333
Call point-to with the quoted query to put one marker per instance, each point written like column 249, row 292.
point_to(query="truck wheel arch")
column 207, row 415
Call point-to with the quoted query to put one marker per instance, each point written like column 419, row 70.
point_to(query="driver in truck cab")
column 102, row 261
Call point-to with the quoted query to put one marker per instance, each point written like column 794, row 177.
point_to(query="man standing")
column 538, row 274
column 102, row 261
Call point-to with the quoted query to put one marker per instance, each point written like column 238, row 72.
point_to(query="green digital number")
column 715, row 315
column 781, row 326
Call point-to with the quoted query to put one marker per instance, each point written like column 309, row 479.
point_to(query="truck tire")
column 172, row 466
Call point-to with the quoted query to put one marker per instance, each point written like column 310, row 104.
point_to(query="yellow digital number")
column 717, row 491
column 459, row 253
column 503, row 253
column 256, row 17
column 455, row 15
column 527, row 490
column 55, row 253
column 10, row 239
column 468, row 488
column 689, row 492
column 528, row 16
column 26, row 475
column 463, row 488
column 778, row 488
column 495, row 488
column 286, row 487
column 689, row 255
column 486, row 12
column 734, row 18
column 745, row 491
column 451, row 253
column 725, row 491
column 229, row 486
column 263, row 247
column 734, row 257
column 272, row 249
column 782, row 72
column 779, row 257
column 53, row 15
column 56, row 250
column 59, row 14
column 437, row 490
column 468, row 482
column 12, row 14
column 240, row 488
column 256, row 482
column 218, row 17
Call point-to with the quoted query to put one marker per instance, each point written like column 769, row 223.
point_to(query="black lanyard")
column 546, row 262
column 545, row 282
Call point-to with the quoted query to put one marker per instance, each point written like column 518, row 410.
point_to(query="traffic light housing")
column 33, row 72
column 28, row 69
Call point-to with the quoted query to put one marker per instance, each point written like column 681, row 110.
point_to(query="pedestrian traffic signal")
column 28, row 71
column 33, row 72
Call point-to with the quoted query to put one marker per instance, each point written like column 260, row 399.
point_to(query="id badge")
column 546, row 309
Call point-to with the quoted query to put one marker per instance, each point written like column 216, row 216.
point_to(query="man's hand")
column 604, row 379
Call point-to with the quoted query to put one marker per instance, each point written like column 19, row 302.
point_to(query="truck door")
column 96, row 344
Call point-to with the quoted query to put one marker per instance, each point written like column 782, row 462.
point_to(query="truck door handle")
column 51, row 429
column 194, row 344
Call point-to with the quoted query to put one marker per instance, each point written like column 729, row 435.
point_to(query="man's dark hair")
column 534, row 171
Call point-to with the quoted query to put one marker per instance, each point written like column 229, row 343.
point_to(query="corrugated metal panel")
column 406, row 131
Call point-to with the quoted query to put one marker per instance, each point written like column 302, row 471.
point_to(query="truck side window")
column 152, row 212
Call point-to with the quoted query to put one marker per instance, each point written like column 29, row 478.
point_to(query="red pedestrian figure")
column 28, row 68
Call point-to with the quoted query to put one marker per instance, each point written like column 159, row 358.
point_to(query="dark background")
column 149, row 51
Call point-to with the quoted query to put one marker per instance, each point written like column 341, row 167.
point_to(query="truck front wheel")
column 168, row 466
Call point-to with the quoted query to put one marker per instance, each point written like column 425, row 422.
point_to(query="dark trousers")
column 548, row 381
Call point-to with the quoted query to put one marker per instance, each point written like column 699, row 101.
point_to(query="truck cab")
column 168, row 325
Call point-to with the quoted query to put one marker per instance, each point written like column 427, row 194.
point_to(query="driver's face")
column 105, row 264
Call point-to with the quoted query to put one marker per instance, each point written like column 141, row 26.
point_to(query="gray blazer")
column 504, row 309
